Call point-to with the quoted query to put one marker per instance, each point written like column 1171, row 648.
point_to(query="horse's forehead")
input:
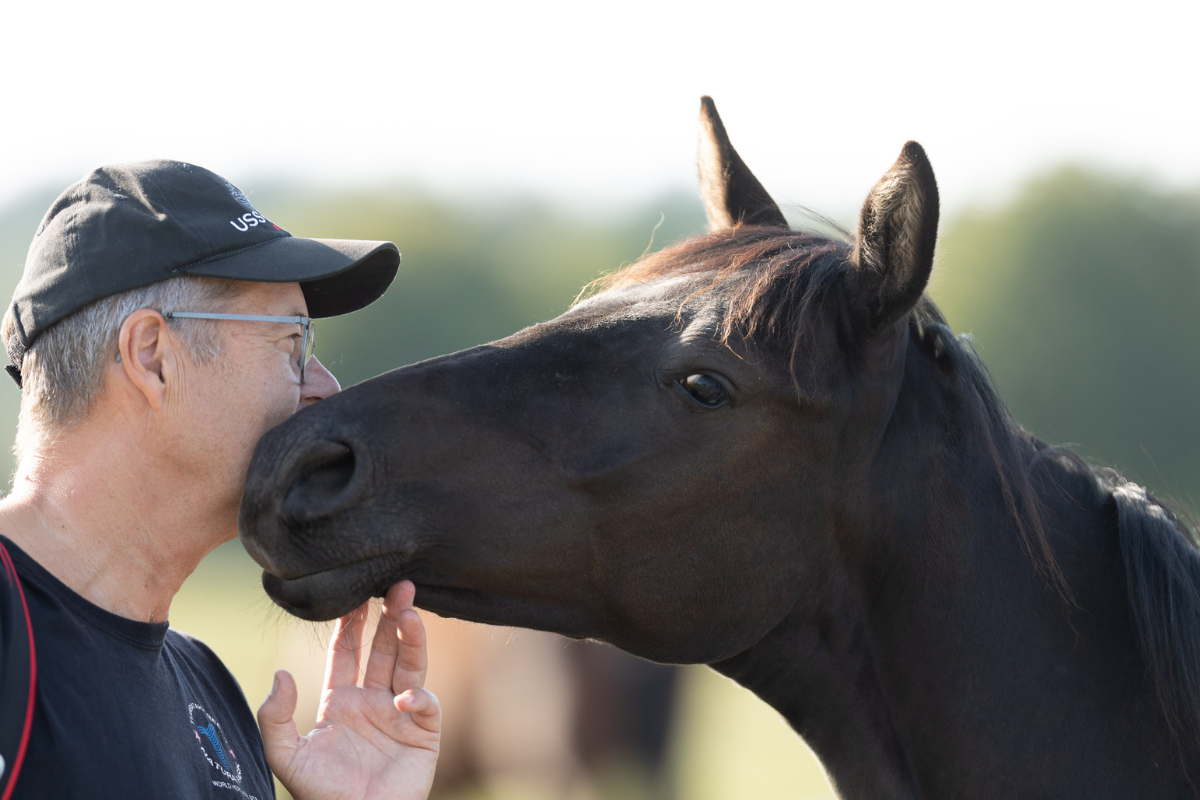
column 676, row 297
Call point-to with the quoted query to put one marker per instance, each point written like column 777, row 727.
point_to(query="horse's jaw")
column 335, row 592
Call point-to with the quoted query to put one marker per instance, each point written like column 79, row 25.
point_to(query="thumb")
column 278, row 726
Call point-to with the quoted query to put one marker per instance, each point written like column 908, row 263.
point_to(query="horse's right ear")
column 897, row 231
column 732, row 195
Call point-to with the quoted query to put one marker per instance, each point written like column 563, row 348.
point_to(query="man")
column 160, row 328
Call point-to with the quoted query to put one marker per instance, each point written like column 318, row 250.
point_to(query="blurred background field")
column 1080, row 291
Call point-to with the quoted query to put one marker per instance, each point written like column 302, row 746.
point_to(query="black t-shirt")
column 130, row 709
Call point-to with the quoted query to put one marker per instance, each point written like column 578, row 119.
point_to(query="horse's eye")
column 706, row 389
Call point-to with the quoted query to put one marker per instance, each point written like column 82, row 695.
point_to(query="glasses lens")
column 307, row 346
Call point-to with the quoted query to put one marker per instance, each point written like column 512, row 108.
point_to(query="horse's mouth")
column 335, row 591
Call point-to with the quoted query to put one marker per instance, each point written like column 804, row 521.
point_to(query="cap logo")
column 247, row 221
column 237, row 195
column 252, row 220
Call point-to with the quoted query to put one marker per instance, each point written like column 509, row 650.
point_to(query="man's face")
column 225, row 407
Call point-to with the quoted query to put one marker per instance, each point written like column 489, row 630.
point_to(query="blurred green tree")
column 18, row 222
column 1082, row 296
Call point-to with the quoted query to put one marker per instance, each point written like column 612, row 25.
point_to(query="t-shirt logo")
column 216, row 750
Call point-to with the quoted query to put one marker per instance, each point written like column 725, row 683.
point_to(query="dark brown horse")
column 764, row 451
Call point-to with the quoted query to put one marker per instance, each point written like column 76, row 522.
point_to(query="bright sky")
column 597, row 102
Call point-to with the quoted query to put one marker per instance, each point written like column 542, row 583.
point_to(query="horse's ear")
column 897, row 231
column 732, row 195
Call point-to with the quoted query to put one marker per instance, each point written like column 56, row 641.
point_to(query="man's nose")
column 318, row 384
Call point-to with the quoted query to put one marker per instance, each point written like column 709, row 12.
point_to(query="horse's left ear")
column 897, row 232
column 732, row 195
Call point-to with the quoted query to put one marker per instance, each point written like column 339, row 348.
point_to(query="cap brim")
column 337, row 275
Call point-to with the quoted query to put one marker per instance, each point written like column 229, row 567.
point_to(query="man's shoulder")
column 200, row 656
column 185, row 642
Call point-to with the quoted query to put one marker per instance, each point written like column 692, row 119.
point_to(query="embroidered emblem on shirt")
column 215, row 749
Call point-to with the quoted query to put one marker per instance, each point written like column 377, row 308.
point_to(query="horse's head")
column 666, row 466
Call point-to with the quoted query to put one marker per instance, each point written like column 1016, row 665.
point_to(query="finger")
column 381, row 661
column 412, row 660
column 277, row 722
column 424, row 707
column 341, row 666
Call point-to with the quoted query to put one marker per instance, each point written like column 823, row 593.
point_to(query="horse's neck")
column 825, row 681
column 951, row 666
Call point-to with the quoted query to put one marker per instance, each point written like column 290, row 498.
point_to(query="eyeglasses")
column 308, row 341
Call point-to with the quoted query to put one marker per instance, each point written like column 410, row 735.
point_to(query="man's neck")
column 118, row 526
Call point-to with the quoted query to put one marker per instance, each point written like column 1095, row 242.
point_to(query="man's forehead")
column 284, row 299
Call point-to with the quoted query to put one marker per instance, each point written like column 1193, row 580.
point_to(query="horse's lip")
column 307, row 596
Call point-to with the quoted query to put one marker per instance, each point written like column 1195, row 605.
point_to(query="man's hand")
column 378, row 740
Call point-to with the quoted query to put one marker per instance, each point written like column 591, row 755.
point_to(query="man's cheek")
column 281, row 412
column 271, row 415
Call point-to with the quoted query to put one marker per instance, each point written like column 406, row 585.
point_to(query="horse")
column 763, row 450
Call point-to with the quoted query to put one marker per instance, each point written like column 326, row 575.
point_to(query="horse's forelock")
column 769, row 280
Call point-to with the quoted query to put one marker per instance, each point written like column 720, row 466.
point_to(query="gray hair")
column 62, row 374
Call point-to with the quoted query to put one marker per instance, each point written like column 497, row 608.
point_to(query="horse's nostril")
column 323, row 482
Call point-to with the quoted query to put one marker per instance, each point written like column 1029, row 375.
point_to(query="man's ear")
column 732, row 195
column 897, row 232
column 144, row 349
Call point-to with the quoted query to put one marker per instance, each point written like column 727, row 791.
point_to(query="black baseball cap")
column 130, row 225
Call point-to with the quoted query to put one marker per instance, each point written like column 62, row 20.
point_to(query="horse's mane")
column 775, row 282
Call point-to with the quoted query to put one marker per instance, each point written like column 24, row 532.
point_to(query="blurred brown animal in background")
column 586, row 709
